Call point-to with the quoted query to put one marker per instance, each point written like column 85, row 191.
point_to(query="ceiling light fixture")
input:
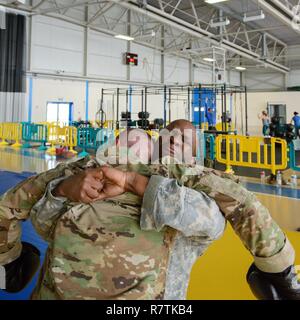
column 124, row 37
column 209, row 59
column 240, row 68
column 260, row 16
column 214, row 1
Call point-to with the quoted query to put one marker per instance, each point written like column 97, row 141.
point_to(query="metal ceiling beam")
column 128, row 24
column 240, row 38
column 74, row 5
column 38, row 5
column 195, row 31
column 195, row 13
column 66, row 10
column 276, row 11
column 97, row 29
column 100, row 12
column 287, row 7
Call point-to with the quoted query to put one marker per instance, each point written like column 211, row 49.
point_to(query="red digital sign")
column 131, row 59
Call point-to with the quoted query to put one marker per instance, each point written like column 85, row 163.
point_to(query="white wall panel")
column 202, row 75
column 293, row 78
column 233, row 78
column 56, row 45
column 265, row 81
column 57, row 34
column 105, row 56
column 148, row 69
column 53, row 60
column 176, row 70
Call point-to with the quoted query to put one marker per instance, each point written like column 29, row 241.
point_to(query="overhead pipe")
column 277, row 10
column 283, row 8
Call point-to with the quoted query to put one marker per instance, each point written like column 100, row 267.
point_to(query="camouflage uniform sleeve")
column 250, row 220
column 16, row 204
column 47, row 210
column 193, row 213
column 10, row 236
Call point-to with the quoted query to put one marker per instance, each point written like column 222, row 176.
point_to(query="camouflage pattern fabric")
column 250, row 220
column 195, row 217
column 129, row 264
column 16, row 203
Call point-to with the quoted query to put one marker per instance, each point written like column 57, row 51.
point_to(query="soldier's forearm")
column 166, row 203
column 136, row 183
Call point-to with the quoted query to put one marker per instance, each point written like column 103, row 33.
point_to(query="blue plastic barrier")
column 34, row 133
column 292, row 156
column 91, row 138
column 210, row 138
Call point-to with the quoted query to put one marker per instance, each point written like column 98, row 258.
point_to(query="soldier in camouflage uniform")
column 98, row 250
column 251, row 221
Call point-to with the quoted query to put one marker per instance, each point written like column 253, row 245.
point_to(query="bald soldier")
column 272, row 252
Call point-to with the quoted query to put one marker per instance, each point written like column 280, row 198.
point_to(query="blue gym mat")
column 9, row 180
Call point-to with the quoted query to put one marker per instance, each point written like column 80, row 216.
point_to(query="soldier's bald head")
column 178, row 141
column 181, row 124
column 184, row 126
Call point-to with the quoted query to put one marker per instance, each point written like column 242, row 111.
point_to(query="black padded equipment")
column 20, row 272
column 143, row 123
column 158, row 122
column 274, row 286
column 144, row 115
column 126, row 115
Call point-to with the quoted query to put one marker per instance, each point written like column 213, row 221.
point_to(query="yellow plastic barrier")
column 109, row 124
column 11, row 132
column 238, row 146
column 204, row 126
column 219, row 127
column 65, row 137
column 153, row 134
column 2, row 135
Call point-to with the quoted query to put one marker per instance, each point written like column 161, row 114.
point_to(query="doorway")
column 60, row 112
column 277, row 110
